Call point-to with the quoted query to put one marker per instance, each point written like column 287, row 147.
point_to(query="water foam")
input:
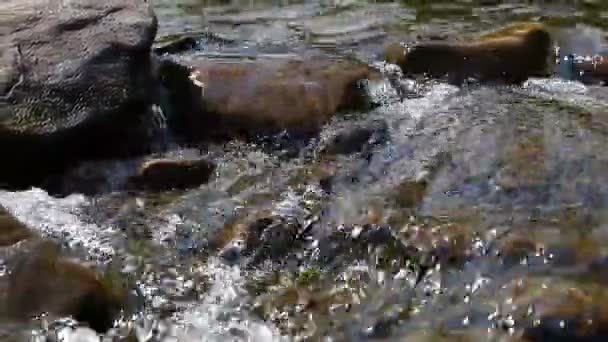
column 58, row 218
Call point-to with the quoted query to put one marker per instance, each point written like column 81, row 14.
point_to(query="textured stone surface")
column 74, row 77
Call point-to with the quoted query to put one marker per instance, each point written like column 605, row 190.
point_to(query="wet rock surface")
column 510, row 55
column 249, row 99
column 76, row 81
column 12, row 230
column 167, row 174
column 42, row 282
column 38, row 279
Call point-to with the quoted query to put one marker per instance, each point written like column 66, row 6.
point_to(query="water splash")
column 59, row 219
column 222, row 314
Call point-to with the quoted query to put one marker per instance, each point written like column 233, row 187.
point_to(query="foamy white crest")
column 406, row 114
column 571, row 92
column 58, row 218
column 289, row 206
column 416, row 108
column 554, row 86
column 434, row 99
column 381, row 91
column 220, row 315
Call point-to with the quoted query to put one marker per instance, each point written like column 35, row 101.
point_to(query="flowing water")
column 509, row 222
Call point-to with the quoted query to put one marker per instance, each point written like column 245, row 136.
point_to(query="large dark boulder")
column 75, row 81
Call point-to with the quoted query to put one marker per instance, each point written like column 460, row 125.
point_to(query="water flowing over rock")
column 75, row 79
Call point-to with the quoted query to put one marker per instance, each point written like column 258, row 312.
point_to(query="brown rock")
column 515, row 248
column 509, row 55
column 166, row 174
column 356, row 139
column 43, row 282
column 255, row 98
column 11, row 230
column 411, row 192
column 76, row 83
column 523, row 164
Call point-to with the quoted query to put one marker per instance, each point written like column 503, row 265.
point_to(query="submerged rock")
column 510, row 55
column 260, row 238
column 522, row 165
column 75, row 82
column 410, row 192
column 594, row 69
column 221, row 100
column 357, row 139
column 11, row 230
column 347, row 244
column 166, row 174
column 41, row 281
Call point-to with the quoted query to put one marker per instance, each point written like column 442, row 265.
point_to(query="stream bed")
column 479, row 215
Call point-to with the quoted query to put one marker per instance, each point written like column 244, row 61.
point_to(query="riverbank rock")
column 75, row 82
column 222, row 100
column 167, row 174
column 509, row 55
